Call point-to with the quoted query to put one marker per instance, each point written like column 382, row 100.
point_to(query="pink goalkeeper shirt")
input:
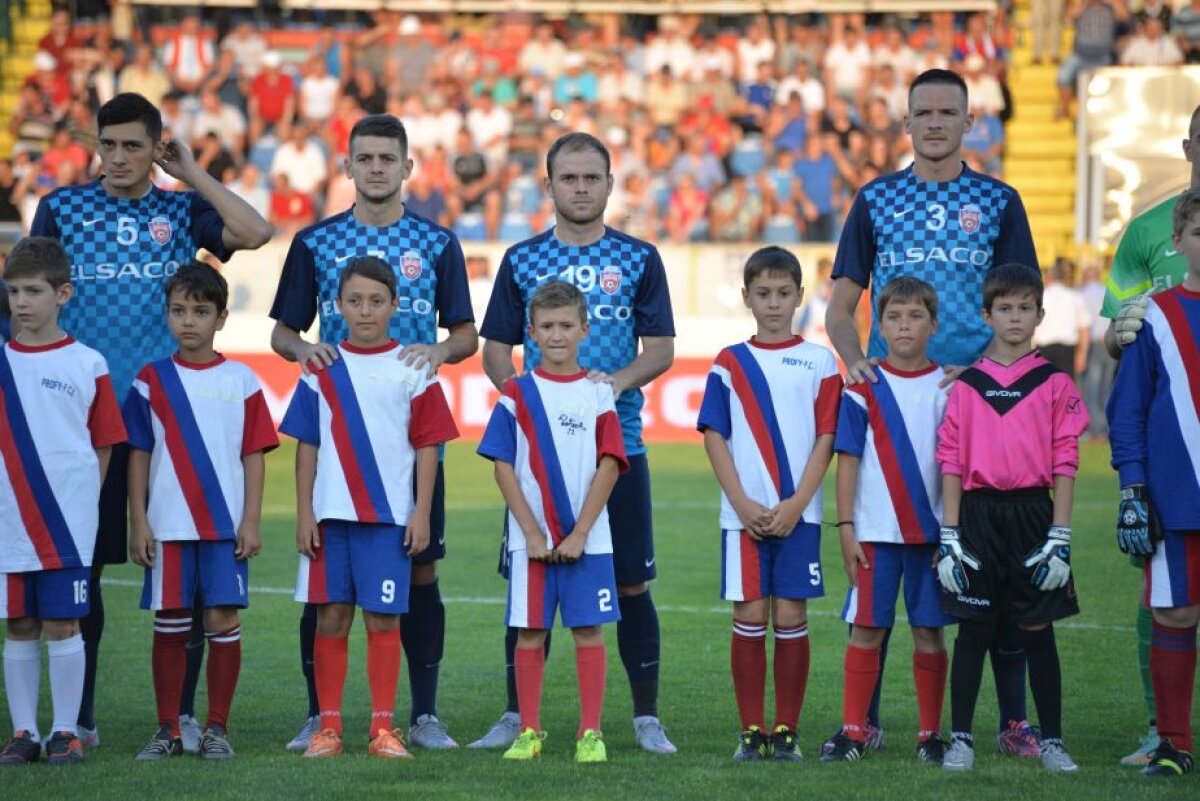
column 1011, row 427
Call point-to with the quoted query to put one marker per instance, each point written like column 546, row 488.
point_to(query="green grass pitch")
column 1103, row 711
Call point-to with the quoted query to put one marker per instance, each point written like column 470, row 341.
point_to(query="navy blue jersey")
column 122, row 251
column 431, row 276
column 949, row 234
column 626, row 289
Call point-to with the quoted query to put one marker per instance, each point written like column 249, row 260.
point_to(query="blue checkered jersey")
column 626, row 288
column 122, row 251
column 431, row 276
column 947, row 233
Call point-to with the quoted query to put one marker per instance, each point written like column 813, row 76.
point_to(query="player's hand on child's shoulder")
column 315, row 356
column 431, row 357
column 249, row 541
column 141, row 545
column 308, row 536
column 601, row 377
column 862, row 372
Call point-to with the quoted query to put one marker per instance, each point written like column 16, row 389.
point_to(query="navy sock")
column 308, row 638
column 423, row 635
column 966, row 672
column 873, row 709
column 510, row 666
column 1008, row 668
column 92, row 628
column 195, row 658
column 638, row 642
column 1045, row 679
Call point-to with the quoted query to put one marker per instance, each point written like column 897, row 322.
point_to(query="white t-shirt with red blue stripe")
column 197, row 421
column 892, row 427
column 770, row 402
column 554, row 430
column 57, row 406
column 367, row 414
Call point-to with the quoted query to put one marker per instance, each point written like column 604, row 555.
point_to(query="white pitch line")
column 487, row 600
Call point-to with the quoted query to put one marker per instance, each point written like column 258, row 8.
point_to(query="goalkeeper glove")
column 1129, row 319
column 1051, row 563
column 951, row 558
column 1138, row 531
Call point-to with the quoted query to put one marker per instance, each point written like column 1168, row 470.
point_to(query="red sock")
column 330, row 655
column 224, row 665
column 748, row 662
column 168, row 662
column 1173, row 672
column 929, row 675
column 530, row 665
column 791, row 674
column 591, row 665
column 860, row 674
column 383, row 674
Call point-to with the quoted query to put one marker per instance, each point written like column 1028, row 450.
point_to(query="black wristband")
column 841, row 523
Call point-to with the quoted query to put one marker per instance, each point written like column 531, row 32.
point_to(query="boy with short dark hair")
column 769, row 414
column 1010, row 435
column 1159, row 515
column 889, row 500
column 58, row 421
column 198, row 430
column 365, row 424
column 557, row 446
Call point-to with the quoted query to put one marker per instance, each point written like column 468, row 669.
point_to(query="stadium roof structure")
column 654, row 7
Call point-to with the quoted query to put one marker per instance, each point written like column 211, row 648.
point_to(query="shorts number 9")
column 388, row 591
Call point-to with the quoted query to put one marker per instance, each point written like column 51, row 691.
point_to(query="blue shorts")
column 189, row 573
column 358, row 563
column 45, row 594
column 585, row 591
column 775, row 567
column 872, row 601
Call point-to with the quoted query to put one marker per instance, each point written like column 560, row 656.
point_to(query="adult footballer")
column 431, row 292
column 631, row 342
column 125, row 237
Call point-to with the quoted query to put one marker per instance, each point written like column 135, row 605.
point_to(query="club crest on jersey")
column 610, row 280
column 411, row 265
column 969, row 217
column 160, row 230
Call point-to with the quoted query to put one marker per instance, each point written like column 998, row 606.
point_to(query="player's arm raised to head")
column 514, row 499
column 244, row 227
column 308, row 536
column 141, row 539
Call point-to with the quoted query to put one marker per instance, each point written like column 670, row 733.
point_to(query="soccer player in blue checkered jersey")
column 125, row 237
column 629, row 305
column 948, row 225
column 432, row 291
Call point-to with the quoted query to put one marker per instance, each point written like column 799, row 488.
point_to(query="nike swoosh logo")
column 547, row 277
column 441, row 541
column 90, row 223
column 898, row 214
column 340, row 259
column 1169, row 252
column 648, row 664
column 649, row 563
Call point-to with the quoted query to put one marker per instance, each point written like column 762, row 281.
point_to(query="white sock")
column 22, row 679
column 67, row 663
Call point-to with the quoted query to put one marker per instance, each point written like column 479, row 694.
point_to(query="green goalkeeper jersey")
column 1146, row 260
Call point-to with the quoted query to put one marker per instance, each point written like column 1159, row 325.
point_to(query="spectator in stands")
column 983, row 144
column 302, row 160
column 525, row 139
column 888, row 88
column 736, row 212
column 1185, row 27
column 471, row 177
column 318, row 93
column 839, row 122
column 64, row 148
column 220, row 118
column 47, row 77
column 1046, row 22
column 9, row 213
column 847, row 65
column 409, row 56
column 760, row 93
column 713, row 84
column 685, row 211
column 371, row 46
column 698, row 162
column 60, row 41
column 188, row 55
column 227, row 82
column 544, row 53
column 895, row 55
column 363, row 87
column 425, row 200
column 272, row 101
column 1101, row 368
column 754, row 48
column 145, row 76
column 815, row 190
column 214, row 157
column 490, row 125
column 878, row 121
column 1151, row 47
column 801, row 82
column 1154, row 9
column 1064, row 334
column 330, row 48
column 248, row 48
column 337, row 132
column 977, row 40
column 618, row 82
column 249, row 187
column 176, row 117
column 670, row 48
column 787, row 126
column 1095, row 24
column 576, row 81
column 666, row 98
column 811, row 320
column 778, row 182
column 291, row 210
column 32, row 121
column 982, row 86
column 501, row 88
column 801, row 45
